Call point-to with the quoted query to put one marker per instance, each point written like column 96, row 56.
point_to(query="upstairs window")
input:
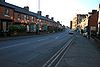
column 19, row 16
column 6, row 12
column 24, row 17
column 32, row 19
column 27, row 17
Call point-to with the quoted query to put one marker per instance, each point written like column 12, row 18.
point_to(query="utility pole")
column 38, row 19
column 38, row 5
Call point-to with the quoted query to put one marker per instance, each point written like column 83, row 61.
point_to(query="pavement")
column 82, row 53
column 14, row 37
column 24, row 36
column 20, row 37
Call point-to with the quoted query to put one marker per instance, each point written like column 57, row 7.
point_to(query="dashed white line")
column 57, row 37
column 19, row 44
column 43, row 39
column 13, row 45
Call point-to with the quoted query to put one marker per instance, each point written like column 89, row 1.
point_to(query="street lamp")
column 38, row 5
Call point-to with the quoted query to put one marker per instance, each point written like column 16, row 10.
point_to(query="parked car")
column 85, row 34
column 71, row 32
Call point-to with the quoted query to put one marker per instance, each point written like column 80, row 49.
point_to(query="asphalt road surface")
column 33, row 51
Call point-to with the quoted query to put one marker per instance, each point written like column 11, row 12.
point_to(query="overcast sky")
column 61, row 10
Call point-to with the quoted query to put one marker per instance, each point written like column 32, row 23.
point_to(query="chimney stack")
column 47, row 16
column 94, row 11
column 26, row 8
column 52, row 18
column 39, row 13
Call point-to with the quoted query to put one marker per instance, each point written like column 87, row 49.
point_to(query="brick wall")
column 93, row 19
column 10, row 13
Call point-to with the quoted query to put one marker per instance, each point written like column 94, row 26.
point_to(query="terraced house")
column 15, row 19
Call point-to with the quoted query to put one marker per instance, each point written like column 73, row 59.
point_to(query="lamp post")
column 38, row 18
column 38, row 5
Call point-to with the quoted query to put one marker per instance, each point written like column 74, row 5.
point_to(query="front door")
column 4, row 25
column 3, row 28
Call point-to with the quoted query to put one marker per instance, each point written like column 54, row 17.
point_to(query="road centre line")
column 19, row 44
column 57, row 54
column 13, row 45
column 42, row 39
column 57, row 37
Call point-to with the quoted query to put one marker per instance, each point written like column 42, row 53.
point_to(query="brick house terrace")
column 14, row 15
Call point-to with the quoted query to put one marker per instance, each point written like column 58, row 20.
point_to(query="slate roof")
column 24, row 11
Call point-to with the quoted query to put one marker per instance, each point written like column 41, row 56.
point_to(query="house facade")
column 17, row 19
column 93, row 22
column 6, row 18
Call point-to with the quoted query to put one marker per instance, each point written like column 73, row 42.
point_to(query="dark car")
column 71, row 32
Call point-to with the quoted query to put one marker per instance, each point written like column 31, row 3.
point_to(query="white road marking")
column 57, row 54
column 19, row 44
column 13, row 45
column 43, row 39
column 57, row 37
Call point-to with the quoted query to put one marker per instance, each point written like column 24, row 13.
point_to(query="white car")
column 85, row 34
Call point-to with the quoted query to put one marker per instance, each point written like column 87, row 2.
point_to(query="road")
column 33, row 51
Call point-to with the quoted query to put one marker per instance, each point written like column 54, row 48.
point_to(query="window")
column 19, row 16
column 32, row 19
column 27, row 17
column 24, row 17
column 6, row 12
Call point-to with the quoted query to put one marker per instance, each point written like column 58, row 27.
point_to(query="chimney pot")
column 94, row 11
column 52, row 18
column 47, row 16
column 26, row 7
column 39, row 13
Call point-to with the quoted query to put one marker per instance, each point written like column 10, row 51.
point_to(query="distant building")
column 80, row 21
column 74, row 23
